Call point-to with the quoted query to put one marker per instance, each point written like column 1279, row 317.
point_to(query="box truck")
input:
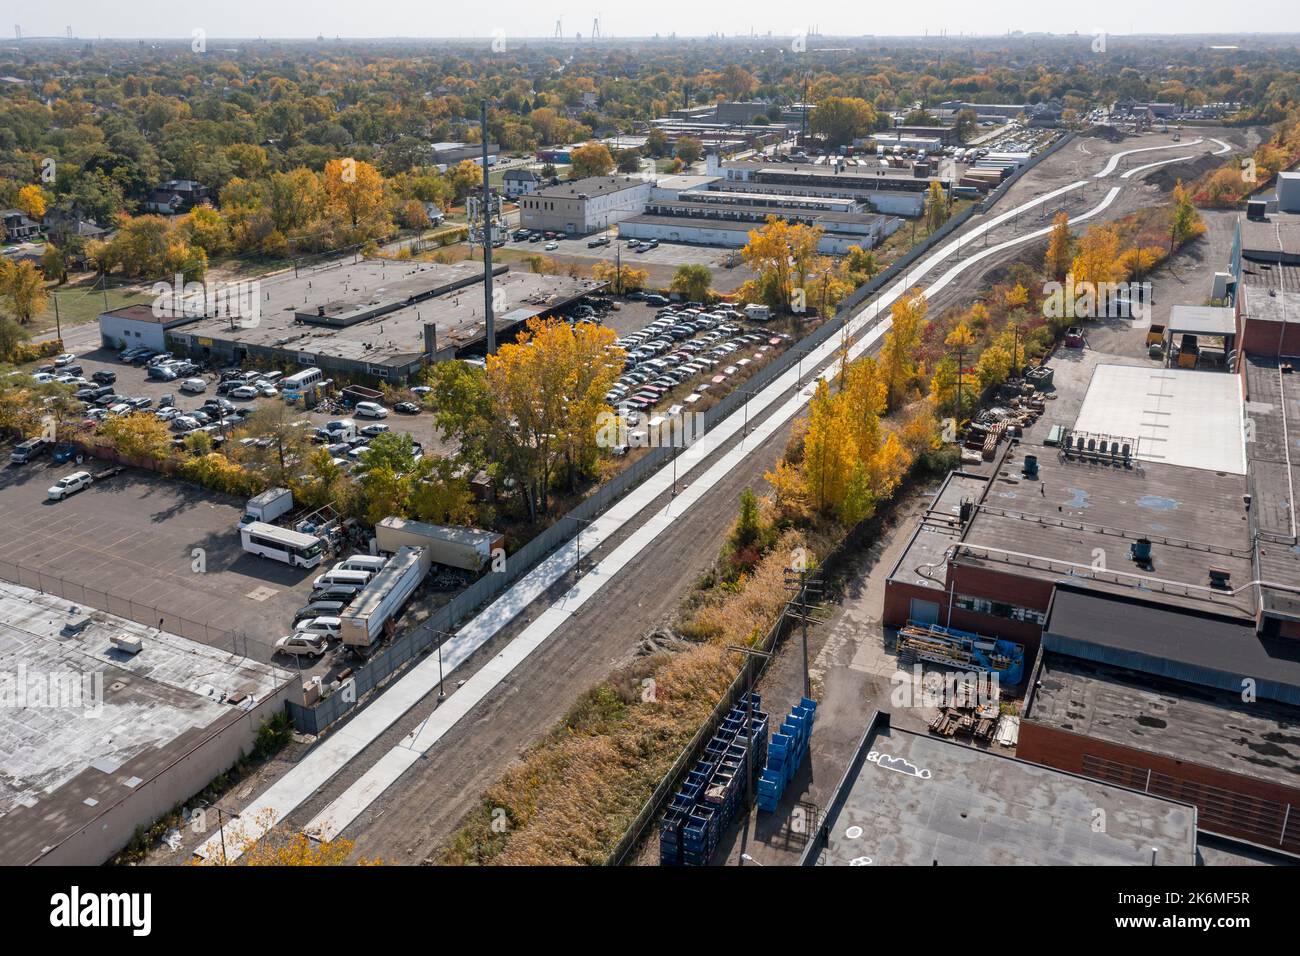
column 456, row 547
column 267, row 507
column 382, row 600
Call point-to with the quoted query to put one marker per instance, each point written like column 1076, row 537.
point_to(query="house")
column 17, row 227
column 521, row 182
column 176, row 197
column 64, row 224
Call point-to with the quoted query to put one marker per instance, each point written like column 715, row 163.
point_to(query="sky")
column 448, row 18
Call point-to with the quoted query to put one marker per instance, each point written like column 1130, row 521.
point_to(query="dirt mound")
column 1166, row 177
column 1109, row 133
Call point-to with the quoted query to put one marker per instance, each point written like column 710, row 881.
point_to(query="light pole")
column 221, row 825
column 577, row 565
column 796, row 580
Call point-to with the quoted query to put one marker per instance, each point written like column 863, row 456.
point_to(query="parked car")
column 193, row 386
column 551, row 246
column 1074, row 337
column 370, row 431
column 300, row 644
column 337, row 592
column 318, row 609
column 104, row 377
column 244, row 392
column 407, row 408
column 65, row 359
column 371, row 410
column 69, row 485
column 28, row 450
column 322, row 626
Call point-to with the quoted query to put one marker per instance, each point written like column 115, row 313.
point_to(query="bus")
column 293, row 386
column 291, row 547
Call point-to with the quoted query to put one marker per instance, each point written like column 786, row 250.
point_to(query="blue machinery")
column 962, row 650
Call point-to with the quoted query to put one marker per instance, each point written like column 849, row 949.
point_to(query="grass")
column 82, row 303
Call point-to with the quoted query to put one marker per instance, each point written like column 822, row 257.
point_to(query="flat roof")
column 144, row 313
column 923, row 562
column 61, row 767
column 1202, row 320
column 1056, row 527
column 722, row 210
column 450, row 297
column 1276, row 236
column 916, row 800
column 1177, row 416
column 1181, row 643
column 1274, row 464
column 1195, row 724
column 591, row 186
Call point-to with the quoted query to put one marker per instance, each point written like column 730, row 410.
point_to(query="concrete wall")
column 214, row 753
column 1237, row 806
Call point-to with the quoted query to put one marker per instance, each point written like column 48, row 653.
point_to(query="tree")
column 1059, row 246
column 1097, row 259
column 591, row 159
column 783, row 256
column 622, row 279
column 898, row 362
column 841, row 120
column 466, row 176
column 967, row 125
column 354, row 196
column 689, row 149
column 629, row 160
column 693, row 281
column 282, row 443
column 12, row 335
column 206, row 229
column 137, row 436
column 1186, row 221
column 936, row 206
column 22, row 290
column 31, row 200
column 737, row 82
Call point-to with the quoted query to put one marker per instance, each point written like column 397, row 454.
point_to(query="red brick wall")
column 1261, row 338
column 1065, row 750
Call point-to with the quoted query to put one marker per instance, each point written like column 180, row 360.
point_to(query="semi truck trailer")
column 383, row 598
column 456, row 547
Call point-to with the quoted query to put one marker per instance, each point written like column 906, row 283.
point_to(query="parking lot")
column 161, row 552
column 132, row 382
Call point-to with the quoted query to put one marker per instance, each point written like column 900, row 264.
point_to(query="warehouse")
column 376, row 319
column 1238, row 762
column 915, row 800
column 887, row 190
column 116, row 724
column 584, row 206
column 730, row 226
column 136, row 325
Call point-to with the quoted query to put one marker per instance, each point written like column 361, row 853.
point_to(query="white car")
column 369, row 410
column 370, row 431
column 551, row 246
column 167, row 414
column 319, row 626
column 41, row 378
column 69, row 485
column 66, row 358
column 194, row 386
column 267, row 389
column 301, row 643
column 245, row 392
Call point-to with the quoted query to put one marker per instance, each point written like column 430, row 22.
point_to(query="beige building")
column 584, row 205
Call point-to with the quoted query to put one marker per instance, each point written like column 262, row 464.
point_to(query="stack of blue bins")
column 714, row 790
column 786, row 753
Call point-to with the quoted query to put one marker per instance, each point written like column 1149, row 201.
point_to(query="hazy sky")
column 384, row 18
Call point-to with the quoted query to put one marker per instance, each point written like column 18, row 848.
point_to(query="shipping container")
column 456, row 547
column 382, row 599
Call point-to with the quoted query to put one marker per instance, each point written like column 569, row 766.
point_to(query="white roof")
column 1177, row 416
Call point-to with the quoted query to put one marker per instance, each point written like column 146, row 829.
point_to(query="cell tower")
column 559, row 30
column 595, row 28
column 18, row 32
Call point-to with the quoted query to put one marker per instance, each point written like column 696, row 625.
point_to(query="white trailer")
column 267, row 507
column 383, row 598
column 456, row 547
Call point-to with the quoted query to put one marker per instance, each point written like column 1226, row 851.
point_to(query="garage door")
column 924, row 612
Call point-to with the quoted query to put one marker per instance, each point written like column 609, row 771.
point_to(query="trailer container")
column 267, row 507
column 381, row 600
column 456, row 547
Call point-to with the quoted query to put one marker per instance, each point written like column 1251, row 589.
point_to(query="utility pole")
column 796, row 580
column 491, row 334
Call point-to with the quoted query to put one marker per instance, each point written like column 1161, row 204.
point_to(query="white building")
column 584, row 205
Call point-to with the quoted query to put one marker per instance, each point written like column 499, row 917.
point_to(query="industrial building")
column 583, row 206
column 916, row 800
column 137, row 325
column 725, row 224
column 882, row 189
column 449, row 154
column 375, row 319
column 109, row 725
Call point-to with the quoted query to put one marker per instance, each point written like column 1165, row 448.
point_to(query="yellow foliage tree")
column 1059, row 244
column 898, row 362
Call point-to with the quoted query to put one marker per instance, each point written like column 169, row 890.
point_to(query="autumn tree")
column 1097, row 260
column 32, row 201
column 782, row 255
column 136, row 436
column 22, row 290
column 936, row 206
column 842, row 119
column 693, row 282
column 1059, row 255
column 622, row 279
column 590, row 159
column 1185, row 223
column 354, row 196
column 898, row 356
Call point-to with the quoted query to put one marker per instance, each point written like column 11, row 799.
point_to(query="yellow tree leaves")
column 783, row 255
column 898, row 363
column 1097, row 260
column 1059, row 244
column 354, row 197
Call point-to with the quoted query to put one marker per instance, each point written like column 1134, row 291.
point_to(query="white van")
column 361, row 578
column 371, row 410
column 757, row 313
column 362, row 562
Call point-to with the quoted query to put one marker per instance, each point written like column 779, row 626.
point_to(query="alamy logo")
column 239, row 301
column 1096, row 300
column 73, row 909
column 52, row 690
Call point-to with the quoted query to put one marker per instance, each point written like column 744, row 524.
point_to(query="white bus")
column 291, row 547
column 293, row 386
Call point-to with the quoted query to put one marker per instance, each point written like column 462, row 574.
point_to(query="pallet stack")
column 785, row 754
column 714, row 790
